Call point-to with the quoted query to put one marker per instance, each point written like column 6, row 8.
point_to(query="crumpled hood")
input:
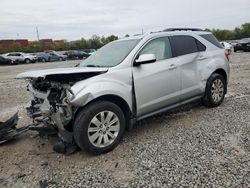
column 58, row 71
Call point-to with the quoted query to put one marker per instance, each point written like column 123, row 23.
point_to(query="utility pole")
column 37, row 34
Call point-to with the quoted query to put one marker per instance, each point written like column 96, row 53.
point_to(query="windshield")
column 110, row 55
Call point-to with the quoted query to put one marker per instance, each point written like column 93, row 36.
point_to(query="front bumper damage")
column 51, row 114
column 9, row 130
column 51, row 95
column 52, row 109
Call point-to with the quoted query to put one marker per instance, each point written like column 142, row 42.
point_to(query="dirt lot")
column 192, row 146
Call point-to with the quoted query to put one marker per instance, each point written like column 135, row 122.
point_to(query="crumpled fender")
column 101, row 88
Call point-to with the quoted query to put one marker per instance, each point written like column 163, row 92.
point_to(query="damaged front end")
column 50, row 105
column 8, row 130
column 51, row 95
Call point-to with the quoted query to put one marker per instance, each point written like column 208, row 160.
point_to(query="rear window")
column 184, row 45
column 212, row 39
column 200, row 46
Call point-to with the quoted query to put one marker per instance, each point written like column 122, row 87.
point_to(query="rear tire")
column 215, row 90
column 99, row 127
column 60, row 59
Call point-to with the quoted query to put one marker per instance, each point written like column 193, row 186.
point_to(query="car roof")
column 164, row 33
column 244, row 40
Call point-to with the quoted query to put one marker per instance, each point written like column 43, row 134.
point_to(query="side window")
column 160, row 47
column 201, row 47
column 184, row 45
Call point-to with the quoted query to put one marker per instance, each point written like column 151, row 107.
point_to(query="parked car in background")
column 89, row 51
column 228, row 47
column 20, row 57
column 78, row 55
column 128, row 80
column 53, row 56
column 6, row 61
column 243, row 45
column 233, row 42
column 62, row 52
column 43, row 57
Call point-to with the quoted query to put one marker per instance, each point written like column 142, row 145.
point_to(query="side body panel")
column 156, row 85
column 190, row 80
column 114, row 82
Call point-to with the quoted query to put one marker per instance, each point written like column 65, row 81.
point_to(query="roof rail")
column 183, row 29
column 137, row 35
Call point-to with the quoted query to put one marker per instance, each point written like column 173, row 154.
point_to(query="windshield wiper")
column 92, row 66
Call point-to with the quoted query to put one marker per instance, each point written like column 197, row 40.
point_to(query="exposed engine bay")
column 50, row 104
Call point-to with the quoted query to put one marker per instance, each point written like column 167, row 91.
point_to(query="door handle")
column 201, row 57
column 172, row 67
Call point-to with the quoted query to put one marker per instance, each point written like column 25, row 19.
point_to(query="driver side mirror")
column 145, row 58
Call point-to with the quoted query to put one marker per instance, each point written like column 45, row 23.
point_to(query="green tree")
column 34, row 47
column 245, row 30
column 2, row 50
column 238, row 33
column 95, row 42
column 112, row 38
column 104, row 40
column 16, row 47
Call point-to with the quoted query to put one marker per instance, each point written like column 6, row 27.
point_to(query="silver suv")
column 19, row 57
column 128, row 80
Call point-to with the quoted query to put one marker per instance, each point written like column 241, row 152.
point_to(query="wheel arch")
column 119, row 101
column 223, row 73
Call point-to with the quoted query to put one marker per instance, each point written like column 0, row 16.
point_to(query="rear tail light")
column 227, row 54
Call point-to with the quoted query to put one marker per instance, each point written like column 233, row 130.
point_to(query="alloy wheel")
column 217, row 90
column 103, row 129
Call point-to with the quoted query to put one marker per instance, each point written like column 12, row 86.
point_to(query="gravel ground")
column 189, row 147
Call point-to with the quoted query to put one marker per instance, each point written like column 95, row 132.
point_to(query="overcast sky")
column 74, row 19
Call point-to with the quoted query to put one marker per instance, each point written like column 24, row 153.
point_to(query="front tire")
column 27, row 61
column 215, row 90
column 99, row 127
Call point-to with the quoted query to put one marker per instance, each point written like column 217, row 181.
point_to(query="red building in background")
column 8, row 43
column 47, row 44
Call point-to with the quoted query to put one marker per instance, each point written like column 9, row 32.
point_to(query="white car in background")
column 228, row 47
column 20, row 57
